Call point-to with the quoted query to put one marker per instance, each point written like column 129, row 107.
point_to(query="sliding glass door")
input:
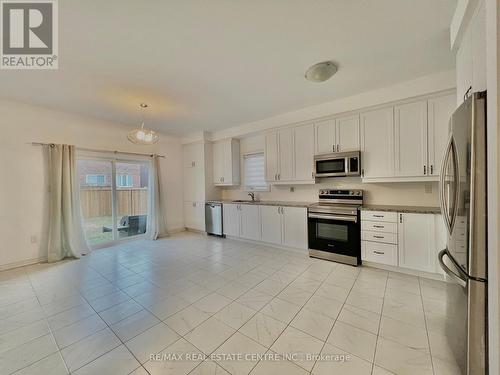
column 114, row 196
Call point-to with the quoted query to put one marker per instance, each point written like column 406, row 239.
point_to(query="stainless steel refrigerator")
column 463, row 206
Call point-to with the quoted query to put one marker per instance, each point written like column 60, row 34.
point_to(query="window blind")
column 254, row 171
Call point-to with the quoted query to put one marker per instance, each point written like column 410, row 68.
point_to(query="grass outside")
column 93, row 230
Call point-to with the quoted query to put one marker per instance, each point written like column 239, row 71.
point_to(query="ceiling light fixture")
column 321, row 72
column 143, row 136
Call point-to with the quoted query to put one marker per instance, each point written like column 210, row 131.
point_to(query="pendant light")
column 143, row 136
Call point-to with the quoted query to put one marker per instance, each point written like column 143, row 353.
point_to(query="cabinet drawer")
column 391, row 217
column 379, row 253
column 379, row 226
column 379, row 237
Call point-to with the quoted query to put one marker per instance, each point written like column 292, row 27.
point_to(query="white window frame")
column 246, row 187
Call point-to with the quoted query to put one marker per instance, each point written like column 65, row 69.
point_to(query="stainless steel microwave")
column 337, row 164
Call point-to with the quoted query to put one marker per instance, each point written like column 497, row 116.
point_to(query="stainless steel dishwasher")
column 213, row 218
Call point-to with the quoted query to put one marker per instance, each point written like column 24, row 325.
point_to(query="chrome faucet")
column 252, row 195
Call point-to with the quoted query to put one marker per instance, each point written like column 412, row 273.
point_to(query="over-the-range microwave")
column 337, row 164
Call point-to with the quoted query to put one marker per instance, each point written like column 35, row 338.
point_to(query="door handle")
column 459, row 277
column 334, row 217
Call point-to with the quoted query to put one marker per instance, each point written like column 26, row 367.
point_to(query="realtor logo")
column 29, row 37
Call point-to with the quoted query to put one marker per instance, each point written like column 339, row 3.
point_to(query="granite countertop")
column 403, row 209
column 266, row 203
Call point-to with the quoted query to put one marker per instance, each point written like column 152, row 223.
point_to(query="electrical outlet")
column 34, row 239
column 428, row 188
column 292, row 189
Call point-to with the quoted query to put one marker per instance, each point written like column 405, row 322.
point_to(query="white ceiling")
column 210, row 65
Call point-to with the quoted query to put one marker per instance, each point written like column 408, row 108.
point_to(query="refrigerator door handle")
column 449, row 220
column 460, row 276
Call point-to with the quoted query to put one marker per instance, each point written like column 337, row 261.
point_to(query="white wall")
column 388, row 193
column 23, row 188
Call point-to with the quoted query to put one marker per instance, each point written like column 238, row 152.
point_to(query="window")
column 254, row 174
column 95, row 179
column 124, row 180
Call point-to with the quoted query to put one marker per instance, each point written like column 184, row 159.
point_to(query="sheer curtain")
column 158, row 226
column 66, row 238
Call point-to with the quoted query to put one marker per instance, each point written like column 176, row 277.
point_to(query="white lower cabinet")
column 295, row 227
column 406, row 240
column 278, row 225
column 231, row 219
column 416, row 241
column 194, row 215
column 249, row 222
column 270, row 217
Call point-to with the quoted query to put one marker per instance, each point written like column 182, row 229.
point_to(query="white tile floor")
column 109, row 312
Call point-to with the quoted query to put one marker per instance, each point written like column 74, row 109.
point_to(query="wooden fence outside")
column 96, row 202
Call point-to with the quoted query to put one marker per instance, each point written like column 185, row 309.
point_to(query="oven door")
column 339, row 234
column 330, row 167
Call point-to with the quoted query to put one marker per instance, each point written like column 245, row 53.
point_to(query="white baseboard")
column 293, row 249
column 407, row 271
column 22, row 263
column 176, row 230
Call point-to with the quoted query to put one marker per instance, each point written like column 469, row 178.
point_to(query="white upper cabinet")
column 294, row 227
column 439, row 113
column 325, row 137
column 377, row 143
column 226, row 162
column 286, row 157
column 290, row 155
column 410, row 125
column 272, row 161
column 249, row 222
column 231, row 219
column 270, row 217
column 417, row 242
column 347, row 133
column 304, row 153
column 337, row 135
column 471, row 55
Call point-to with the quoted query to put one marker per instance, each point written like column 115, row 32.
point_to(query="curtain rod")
column 96, row 150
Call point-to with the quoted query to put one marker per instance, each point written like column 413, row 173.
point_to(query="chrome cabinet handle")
column 379, row 252
column 378, row 215
column 432, row 169
column 401, row 218
column 381, row 237
column 378, row 226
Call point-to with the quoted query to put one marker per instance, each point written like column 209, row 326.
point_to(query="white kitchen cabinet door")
column 347, row 133
column 218, row 156
column 439, row 113
column 189, row 215
column 304, row 153
column 416, row 242
column 377, row 143
column 194, row 215
column 410, row 123
column 325, row 137
column 478, row 37
column 249, row 222
column 295, row 227
column 464, row 69
column 270, row 217
column 272, row 161
column 231, row 219
column 285, row 155
column 226, row 159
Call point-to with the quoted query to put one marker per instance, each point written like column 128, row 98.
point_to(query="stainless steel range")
column 334, row 226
